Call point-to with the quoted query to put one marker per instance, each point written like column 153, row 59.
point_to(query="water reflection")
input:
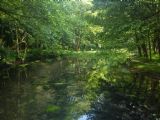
column 77, row 89
column 83, row 117
column 127, row 96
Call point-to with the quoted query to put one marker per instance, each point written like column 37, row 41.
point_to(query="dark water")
column 78, row 90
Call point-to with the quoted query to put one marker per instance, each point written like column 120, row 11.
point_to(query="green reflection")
column 78, row 89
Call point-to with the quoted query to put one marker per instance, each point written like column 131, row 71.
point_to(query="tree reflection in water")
column 78, row 89
column 134, row 98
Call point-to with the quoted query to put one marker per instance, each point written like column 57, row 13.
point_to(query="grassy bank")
column 143, row 65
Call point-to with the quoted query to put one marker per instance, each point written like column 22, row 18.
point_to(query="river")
column 78, row 89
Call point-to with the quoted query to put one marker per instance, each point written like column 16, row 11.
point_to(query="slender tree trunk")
column 17, row 43
column 139, row 51
column 138, row 46
column 149, row 46
column 144, row 48
column 158, row 46
column 154, row 46
column 78, row 45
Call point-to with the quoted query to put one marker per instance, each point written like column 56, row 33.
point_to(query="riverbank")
column 135, row 64
column 143, row 65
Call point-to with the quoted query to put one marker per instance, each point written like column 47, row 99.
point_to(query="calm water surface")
column 78, row 90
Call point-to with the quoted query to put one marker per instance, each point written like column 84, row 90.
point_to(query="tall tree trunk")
column 154, row 45
column 17, row 44
column 138, row 46
column 158, row 46
column 144, row 48
column 149, row 46
column 139, row 51
column 78, row 45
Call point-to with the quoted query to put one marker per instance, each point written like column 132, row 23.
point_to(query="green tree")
column 129, row 24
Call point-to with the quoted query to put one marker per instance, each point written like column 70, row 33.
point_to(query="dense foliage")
column 39, row 29
column 109, row 69
column 131, row 24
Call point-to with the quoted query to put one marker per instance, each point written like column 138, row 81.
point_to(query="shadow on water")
column 133, row 96
column 78, row 89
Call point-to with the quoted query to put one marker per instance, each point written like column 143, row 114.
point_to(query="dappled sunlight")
column 96, row 29
column 79, row 60
column 88, row 2
column 78, row 88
